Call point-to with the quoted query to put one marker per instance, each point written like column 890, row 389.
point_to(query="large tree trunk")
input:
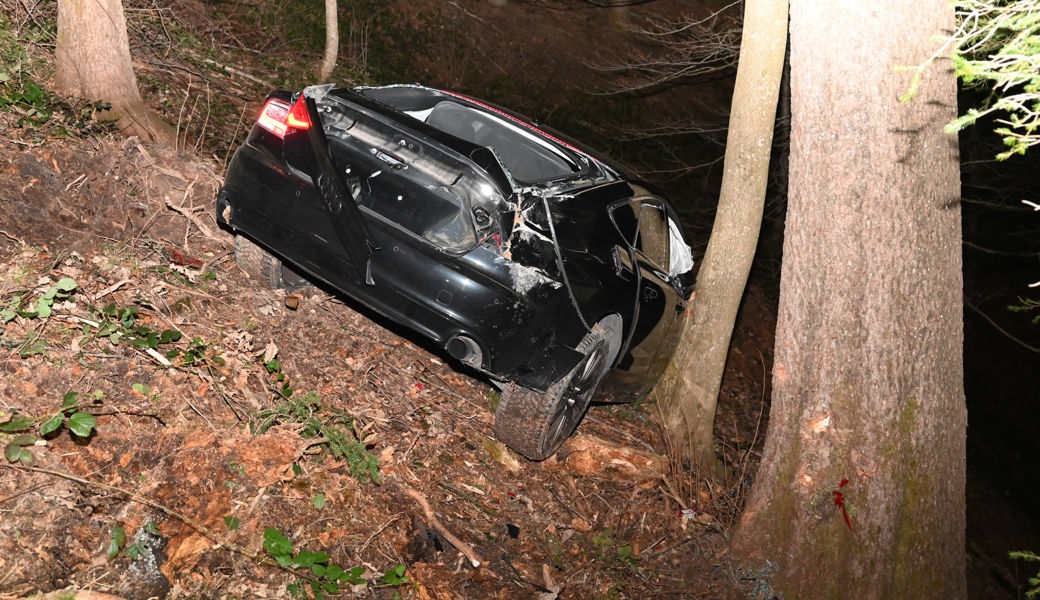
column 861, row 488
column 688, row 392
column 92, row 61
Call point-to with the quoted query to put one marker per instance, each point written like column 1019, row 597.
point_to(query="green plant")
column 1027, row 305
column 333, row 431
column 80, row 424
column 279, row 379
column 117, row 542
column 317, row 575
column 994, row 48
column 609, row 549
column 22, row 305
column 25, row 101
column 114, row 323
column 29, row 99
column 120, row 324
column 1034, row 582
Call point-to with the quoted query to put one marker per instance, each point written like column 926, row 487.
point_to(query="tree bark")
column 328, row 62
column 92, row 61
column 688, row 392
column 861, row 487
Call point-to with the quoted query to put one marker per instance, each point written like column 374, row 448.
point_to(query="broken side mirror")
column 685, row 284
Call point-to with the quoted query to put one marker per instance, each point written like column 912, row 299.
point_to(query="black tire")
column 535, row 424
column 262, row 266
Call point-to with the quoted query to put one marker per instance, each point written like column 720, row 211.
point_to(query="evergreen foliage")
column 996, row 46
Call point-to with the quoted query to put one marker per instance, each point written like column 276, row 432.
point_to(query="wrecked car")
column 517, row 252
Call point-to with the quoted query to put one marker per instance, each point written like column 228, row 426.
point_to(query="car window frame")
column 632, row 242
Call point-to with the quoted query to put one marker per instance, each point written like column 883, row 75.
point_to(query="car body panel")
column 502, row 250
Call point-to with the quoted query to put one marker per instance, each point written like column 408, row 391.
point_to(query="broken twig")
column 474, row 558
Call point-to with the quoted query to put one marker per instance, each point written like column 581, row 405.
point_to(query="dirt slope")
column 173, row 461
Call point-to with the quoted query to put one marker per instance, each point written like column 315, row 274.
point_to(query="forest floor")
column 201, row 476
column 198, row 448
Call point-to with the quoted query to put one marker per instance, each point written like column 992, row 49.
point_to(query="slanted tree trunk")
column 328, row 62
column 861, row 488
column 92, row 61
column 689, row 390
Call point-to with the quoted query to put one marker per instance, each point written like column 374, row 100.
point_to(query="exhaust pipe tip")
column 465, row 350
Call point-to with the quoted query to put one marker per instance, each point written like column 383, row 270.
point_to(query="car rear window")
column 526, row 157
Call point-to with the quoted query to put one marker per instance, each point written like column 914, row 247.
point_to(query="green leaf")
column 307, row 558
column 116, row 543
column 82, row 423
column 333, row 572
column 20, row 423
column 277, row 545
column 135, row 550
column 65, row 284
column 232, row 522
column 354, row 576
column 395, row 576
column 15, row 453
column 961, row 122
column 318, row 501
column 52, row 424
column 43, row 307
column 35, row 345
column 69, row 400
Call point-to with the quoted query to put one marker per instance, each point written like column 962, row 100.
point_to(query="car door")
column 644, row 259
column 399, row 215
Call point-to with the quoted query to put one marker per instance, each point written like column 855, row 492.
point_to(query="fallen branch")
column 474, row 558
column 189, row 214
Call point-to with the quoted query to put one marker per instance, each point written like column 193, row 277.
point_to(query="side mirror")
column 684, row 284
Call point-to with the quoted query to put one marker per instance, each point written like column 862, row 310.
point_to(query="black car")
column 521, row 254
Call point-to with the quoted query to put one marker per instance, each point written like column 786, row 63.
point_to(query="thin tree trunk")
column 861, row 488
column 328, row 63
column 688, row 392
column 92, row 61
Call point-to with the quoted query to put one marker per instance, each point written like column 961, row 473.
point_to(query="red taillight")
column 278, row 117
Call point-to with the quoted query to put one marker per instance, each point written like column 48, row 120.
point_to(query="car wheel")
column 534, row 423
column 265, row 267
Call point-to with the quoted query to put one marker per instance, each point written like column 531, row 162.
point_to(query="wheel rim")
column 577, row 392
